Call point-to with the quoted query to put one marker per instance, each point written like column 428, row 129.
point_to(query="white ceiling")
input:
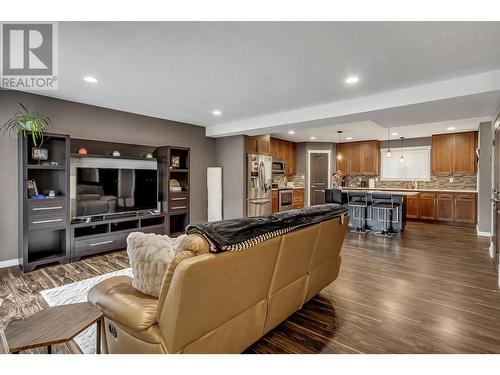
column 368, row 130
column 183, row 70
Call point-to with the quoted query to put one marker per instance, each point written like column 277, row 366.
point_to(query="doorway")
column 319, row 166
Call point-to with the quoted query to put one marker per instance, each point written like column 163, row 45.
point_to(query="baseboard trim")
column 9, row 263
column 482, row 234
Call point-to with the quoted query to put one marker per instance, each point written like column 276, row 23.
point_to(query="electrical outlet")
column 452, row 179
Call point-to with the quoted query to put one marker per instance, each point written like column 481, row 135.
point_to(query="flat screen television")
column 107, row 190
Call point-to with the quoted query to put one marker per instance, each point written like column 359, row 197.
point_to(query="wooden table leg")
column 98, row 337
column 49, row 349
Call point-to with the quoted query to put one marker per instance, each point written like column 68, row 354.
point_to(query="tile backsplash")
column 460, row 182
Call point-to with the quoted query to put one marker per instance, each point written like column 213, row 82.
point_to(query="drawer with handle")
column 102, row 243
column 46, row 214
column 179, row 203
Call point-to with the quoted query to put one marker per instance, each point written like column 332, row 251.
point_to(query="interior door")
column 319, row 178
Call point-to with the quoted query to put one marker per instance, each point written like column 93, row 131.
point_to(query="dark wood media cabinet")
column 46, row 233
column 105, row 235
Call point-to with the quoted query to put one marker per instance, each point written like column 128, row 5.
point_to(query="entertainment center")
column 92, row 194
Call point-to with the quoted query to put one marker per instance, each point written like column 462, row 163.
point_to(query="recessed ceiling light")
column 395, row 133
column 352, row 79
column 313, row 138
column 90, row 79
column 451, row 128
column 216, row 112
column 349, row 138
column 291, row 132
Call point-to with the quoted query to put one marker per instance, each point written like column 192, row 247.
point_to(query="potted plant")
column 26, row 121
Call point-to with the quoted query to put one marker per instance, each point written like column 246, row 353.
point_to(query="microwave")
column 278, row 166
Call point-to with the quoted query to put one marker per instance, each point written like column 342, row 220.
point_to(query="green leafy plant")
column 25, row 122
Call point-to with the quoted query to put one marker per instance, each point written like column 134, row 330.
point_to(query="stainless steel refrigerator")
column 259, row 183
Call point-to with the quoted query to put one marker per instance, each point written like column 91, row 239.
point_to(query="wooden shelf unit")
column 175, row 204
column 44, row 232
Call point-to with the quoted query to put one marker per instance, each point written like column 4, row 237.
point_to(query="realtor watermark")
column 29, row 55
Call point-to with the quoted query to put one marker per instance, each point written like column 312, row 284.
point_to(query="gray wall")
column 484, row 178
column 230, row 155
column 89, row 122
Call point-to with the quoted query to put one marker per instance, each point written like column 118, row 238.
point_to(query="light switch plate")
column 452, row 179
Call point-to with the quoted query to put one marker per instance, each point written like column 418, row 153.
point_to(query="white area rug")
column 75, row 293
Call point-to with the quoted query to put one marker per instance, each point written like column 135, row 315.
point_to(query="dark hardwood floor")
column 432, row 290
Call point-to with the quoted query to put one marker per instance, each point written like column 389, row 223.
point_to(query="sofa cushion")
column 189, row 247
column 121, row 302
column 150, row 255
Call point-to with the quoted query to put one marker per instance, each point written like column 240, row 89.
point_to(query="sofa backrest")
column 224, row 302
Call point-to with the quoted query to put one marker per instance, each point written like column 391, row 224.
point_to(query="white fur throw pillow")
column 149, row 256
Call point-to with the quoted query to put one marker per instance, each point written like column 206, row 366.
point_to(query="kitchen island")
column 374, row 217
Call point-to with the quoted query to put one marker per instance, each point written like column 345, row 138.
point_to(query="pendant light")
column 388, row 152
column 339, row 155
column 401, row 158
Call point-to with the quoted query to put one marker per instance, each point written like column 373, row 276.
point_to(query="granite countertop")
column 411, row 190
column 394, row 192
column 289, row 188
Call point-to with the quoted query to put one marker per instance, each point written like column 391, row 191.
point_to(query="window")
column 416, row 165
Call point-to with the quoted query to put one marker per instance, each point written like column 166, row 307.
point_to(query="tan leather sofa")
column 221, row 303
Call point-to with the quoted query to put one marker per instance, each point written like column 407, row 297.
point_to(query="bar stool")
column 385, row 202
column 359, row 202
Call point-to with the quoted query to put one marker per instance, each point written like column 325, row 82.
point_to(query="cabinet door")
column 464, row 152
column 465, row 208
column 445, row 206
column 413, row 207
column 293, row 169
column 371, row 155
column 343, row 156
column 442, row 154
column 274, row 148
column 263, row 144
column 298, row 198
column 286, row 157
column 250, row 145
column 275, row 201
column 428, row 206
column 356, row 157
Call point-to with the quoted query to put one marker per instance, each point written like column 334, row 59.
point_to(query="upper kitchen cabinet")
column 284, row 150
column 371, row 157
column 454, row 153
column 464, row 152
column 343, row 157
column 359, row 158
column 356, row 158
column 259, row 144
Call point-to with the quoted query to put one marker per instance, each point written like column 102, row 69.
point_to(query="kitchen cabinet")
column 359, row 158
column 275, row 198
column 454, row 153
column 464, row 152
column 465, row 208
column 450, row 207
column 298, row 198
column 286, row 151
column 413, row 207
column 355, row 159
column 343, row 156
column 259, row 144
column 427, row 206
column 371, row 158
column 445, row 207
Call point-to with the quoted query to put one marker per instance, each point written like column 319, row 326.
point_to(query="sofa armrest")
column 122, row 303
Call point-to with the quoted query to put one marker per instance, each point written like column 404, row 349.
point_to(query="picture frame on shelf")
column 32, row 188
column 38, row 153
